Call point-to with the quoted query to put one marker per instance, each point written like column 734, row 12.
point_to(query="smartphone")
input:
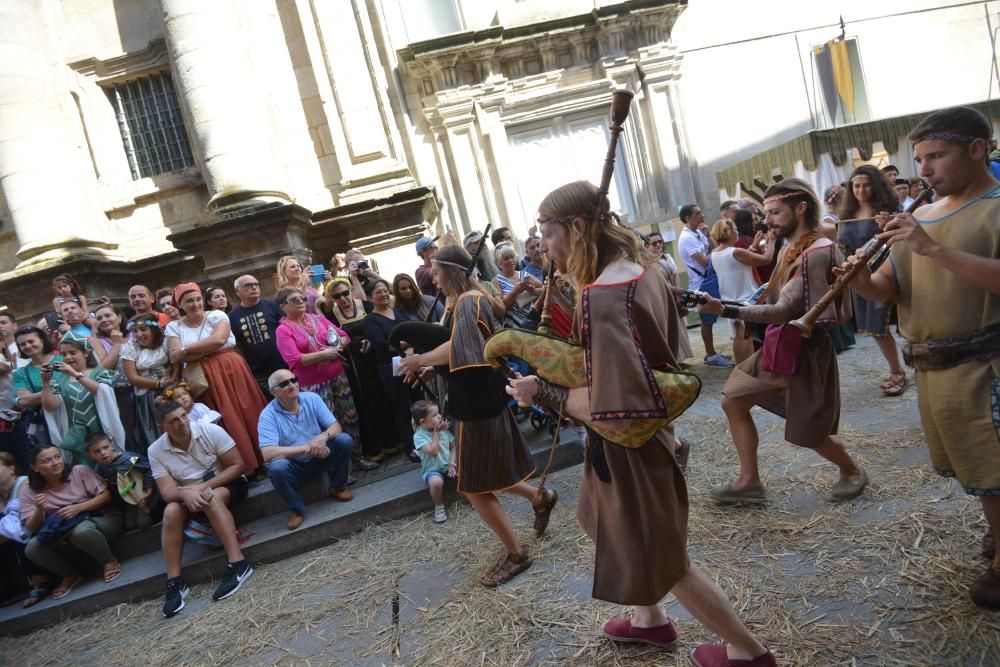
column 316, row 273
column 52, row 320
column 207, row 494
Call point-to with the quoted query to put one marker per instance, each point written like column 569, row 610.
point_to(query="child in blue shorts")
column 432, row 441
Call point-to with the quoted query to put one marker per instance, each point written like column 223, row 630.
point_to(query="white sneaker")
column 440, row 516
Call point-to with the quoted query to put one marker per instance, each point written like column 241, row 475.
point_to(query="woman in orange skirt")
column 205, row 338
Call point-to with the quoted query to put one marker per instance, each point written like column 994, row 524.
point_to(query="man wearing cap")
column 299, row 438
column 426, row 248
column 254, row 322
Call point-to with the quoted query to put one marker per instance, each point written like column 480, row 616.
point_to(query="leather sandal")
column 543, row 512
column 509, row 566
column 37, row 593
column 112, row 570
column 65, row 586
column 895, row 384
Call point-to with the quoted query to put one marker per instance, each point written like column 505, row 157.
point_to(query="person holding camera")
column 199, row 473
column 362, row 275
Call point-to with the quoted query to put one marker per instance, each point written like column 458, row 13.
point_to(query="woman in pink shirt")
column 310, row 346
column 54, row 498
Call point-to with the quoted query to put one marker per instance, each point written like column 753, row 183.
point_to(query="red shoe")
column 714, row 655
column 622, row 630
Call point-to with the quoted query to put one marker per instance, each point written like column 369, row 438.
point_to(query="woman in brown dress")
column 491, row 452
column 633, row 501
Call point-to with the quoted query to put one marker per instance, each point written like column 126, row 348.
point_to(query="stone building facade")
column 155, row 140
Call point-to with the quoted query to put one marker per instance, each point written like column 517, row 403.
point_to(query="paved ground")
column 881, row 580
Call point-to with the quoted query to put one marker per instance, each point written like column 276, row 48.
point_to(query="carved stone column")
column 229, row 120
column 48, row 191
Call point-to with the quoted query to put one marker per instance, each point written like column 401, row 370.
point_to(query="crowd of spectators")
column 115, row 417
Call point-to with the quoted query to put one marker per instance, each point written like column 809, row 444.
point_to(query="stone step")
column 143, row 576
column 262, row 501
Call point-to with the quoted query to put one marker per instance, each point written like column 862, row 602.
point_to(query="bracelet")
column 551, row 395
column 731, row 312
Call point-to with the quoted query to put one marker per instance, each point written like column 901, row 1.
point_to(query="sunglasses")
column 286, row 383
column 656, row 243
column 340, row 295
column 295, row 300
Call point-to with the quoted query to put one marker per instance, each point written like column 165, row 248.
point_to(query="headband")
column 837, row 189
column 148, row 322
column 75, row 339
column 447, row 263
column 339, row 280
column 183, row 289
column 566, row 219
column 169, row 393
column 784, row 195
column 953, row 137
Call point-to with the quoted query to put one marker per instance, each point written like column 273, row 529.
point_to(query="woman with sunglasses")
column 374, row 414
column 147, row 366
column 206, row 338
column 311, row 347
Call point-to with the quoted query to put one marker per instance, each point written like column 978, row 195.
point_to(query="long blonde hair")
column 281, row 281
column 602, row 241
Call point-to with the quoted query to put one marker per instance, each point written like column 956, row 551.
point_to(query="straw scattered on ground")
column 882, row 580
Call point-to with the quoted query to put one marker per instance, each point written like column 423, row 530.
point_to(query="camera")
column 363, row 264
column 49, row 368
column 762, row 227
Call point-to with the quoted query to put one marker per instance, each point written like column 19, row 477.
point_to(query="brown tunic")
column 491, row 453
column 637, row 515
column 959, row 406
column 809, row 400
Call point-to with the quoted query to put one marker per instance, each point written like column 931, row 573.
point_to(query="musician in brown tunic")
column 945, row 273
column 490, row 450
column 633, row 501
column 801, row 385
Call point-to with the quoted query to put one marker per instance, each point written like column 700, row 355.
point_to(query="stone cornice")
column 153, row 57
column 611, row 34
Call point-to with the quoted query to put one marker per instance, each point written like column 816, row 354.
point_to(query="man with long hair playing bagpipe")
column 945, row 277
column 633, row 499
column 491, row 452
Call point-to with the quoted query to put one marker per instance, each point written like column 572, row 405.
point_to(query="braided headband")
column 834, row 193
column 953, row 137
column 784, row 195
column 566, row 219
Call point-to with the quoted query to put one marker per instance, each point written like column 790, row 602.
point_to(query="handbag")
column 193, row 373
column 782, row 345
column 196, row 379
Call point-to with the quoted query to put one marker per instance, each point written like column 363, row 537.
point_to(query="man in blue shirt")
column 299, row 438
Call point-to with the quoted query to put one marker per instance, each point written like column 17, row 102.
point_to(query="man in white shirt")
column 695, row 247
column 198, row 471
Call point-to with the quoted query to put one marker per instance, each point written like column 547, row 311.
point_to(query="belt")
column 933, row 355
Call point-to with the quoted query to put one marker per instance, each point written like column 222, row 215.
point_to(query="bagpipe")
column 560, row 362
